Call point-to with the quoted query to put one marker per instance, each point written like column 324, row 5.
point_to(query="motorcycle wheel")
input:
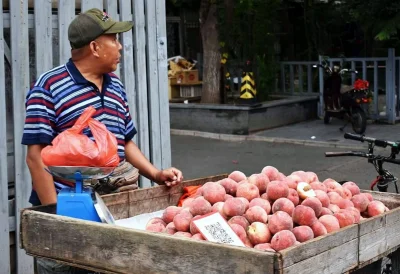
column 327, row 118
column 359, row 121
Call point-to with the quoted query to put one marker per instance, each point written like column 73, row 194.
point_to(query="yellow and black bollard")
column 248, row 91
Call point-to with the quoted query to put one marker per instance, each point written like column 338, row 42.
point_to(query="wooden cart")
column 113, row 249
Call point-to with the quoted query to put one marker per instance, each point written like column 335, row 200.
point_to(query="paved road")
column 199, row 157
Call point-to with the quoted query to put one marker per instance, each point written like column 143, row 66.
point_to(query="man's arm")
column 135, row 157
column 42, row 181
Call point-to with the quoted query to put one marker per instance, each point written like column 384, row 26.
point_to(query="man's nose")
column 119, row 46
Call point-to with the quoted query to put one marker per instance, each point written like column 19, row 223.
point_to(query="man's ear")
column 94, row 48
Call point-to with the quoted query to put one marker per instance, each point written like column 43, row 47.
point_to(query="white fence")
column 42, row 25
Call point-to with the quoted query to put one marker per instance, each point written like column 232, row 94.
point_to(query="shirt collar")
column 78, row 77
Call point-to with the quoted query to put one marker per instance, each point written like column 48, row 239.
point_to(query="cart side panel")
column 122, row 250
column 330, row 249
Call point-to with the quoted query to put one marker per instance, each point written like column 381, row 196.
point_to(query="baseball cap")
column 89, row 25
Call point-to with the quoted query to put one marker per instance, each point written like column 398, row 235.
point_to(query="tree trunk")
column 211, row 56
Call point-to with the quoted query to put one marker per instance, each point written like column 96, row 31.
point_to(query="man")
column 60, row 95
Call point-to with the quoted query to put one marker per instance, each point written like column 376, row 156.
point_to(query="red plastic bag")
column 188, row 191
column 72, row 148
column 361, row 84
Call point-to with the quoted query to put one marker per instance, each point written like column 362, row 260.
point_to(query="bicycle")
column 384, row 178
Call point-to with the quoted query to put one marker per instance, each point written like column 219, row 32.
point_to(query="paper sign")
column 214, row 228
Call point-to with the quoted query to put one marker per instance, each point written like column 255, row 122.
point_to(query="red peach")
column 155, row 227
column 155, row 220
column 283, row 204
column 271, row 172
column 260, row 181
column 347, row 193
column 264, row 247
column 281, row 177
column 183, row 234
column 200, row 206
column 334, row 197
column 302, row 174
column 304, row 215
column 369, row 196
column 278, row 221
column 248, row 191
column 375, row 208
column 237, row 176
column 169, row 213
column 227, row 196
column 213, row 192
column 326, row 211
column 314, row 203
column 330, row 184
column 292, row 181
column 344, row 217
column 354, row 189
column 319, row 229
column 319, row 186
column 303, row 233
column 356, row 214
column 187, row 202
column 261, row 202
column 312, row 177
column 339, row 190
column 264, row 196
column 334, row 208
column 218, row 207
column 360, row 202
column 330, row 222
column 239, row 220
column 198, row 236
column 193, row 229
column 282, row 240
column 170, row 229
column 245, row 202
column 293, row 196
column 199, row 191
column 277, row 189
column 344, row 203
column 182, row 221
column 230, row 186
column 246, row 241
column 258, row 233
column 256, row 214
column 239, row 230
column 234, row 207
column 322, row 197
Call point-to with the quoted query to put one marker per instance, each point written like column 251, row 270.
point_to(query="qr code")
column 218, row 233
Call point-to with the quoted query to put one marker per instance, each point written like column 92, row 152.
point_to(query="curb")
column 277, row 140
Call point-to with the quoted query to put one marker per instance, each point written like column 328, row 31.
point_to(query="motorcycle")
column 344, row 102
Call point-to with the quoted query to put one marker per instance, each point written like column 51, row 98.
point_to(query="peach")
column 155, row 227
column 264, row 247
column 187, row 202
column 277, row 189
column 281, row 177
column 170, row 229
column 360, row 202
column 322, row 197
column 344, row 217
column 198, row 236
column 282, row 240
column 369, row 196
column 200, row 206
column 330, row 184
column 312, row 177
column 239, row 230
column 283, row 204
column 213, row 192
column 319, row 229
column 318, row 186
column 344, row 203
column 169, row 213
column 292, row 181
column 227, row 196
column 192, row 228
column 356, row 214
column 256, row 214
column 347, row 193
column 230, row 186
column 245, row 202
column 260, row 181
column 234, row 207
column 304, row 215
column 330, row 222
column 264, row 196
column 334, row 208
column 302, row 174
column 304, row 190
column 248, row 191
column 278, row 221
column 261, row 202
column 334, row 197
column 303, row 233
column 375, row 208
column 199, row 191
column 338, row 189
column 293, row 196
column 246, row 242
column 258, row 233
column 182, row 221
column 237, row 176
column 314, row 203
column 271, row 172
column 183, row 234
column 239, row 220
column 218, row 207
column 354, row 189
column 326, row 211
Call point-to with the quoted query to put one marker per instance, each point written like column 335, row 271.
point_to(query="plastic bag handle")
column 83, row 119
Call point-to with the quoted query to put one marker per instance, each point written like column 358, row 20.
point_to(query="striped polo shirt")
column 60, row 95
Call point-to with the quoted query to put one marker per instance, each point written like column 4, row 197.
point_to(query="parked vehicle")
column 343, row 101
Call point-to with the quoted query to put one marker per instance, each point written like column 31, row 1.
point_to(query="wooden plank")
column 152, row 71
column 163, row 84
column 20, row 86
column 111, row 7
column 123, row 250
column 142, row 104
column 43, row 36
column 90, row 4
column 4, row 210
column 66, row 13
column 314, row 247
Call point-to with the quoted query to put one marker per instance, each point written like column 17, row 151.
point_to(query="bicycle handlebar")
column 362, row 154
column 377, row 142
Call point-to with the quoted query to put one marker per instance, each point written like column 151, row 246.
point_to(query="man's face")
column 108, row 51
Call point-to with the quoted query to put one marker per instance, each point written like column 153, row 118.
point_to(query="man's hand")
column 169, row 177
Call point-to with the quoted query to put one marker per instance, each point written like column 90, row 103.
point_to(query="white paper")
column 215, row 229
column 139, row 221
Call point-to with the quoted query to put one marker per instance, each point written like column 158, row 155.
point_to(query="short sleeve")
column 40, row 117
column 130, row 130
